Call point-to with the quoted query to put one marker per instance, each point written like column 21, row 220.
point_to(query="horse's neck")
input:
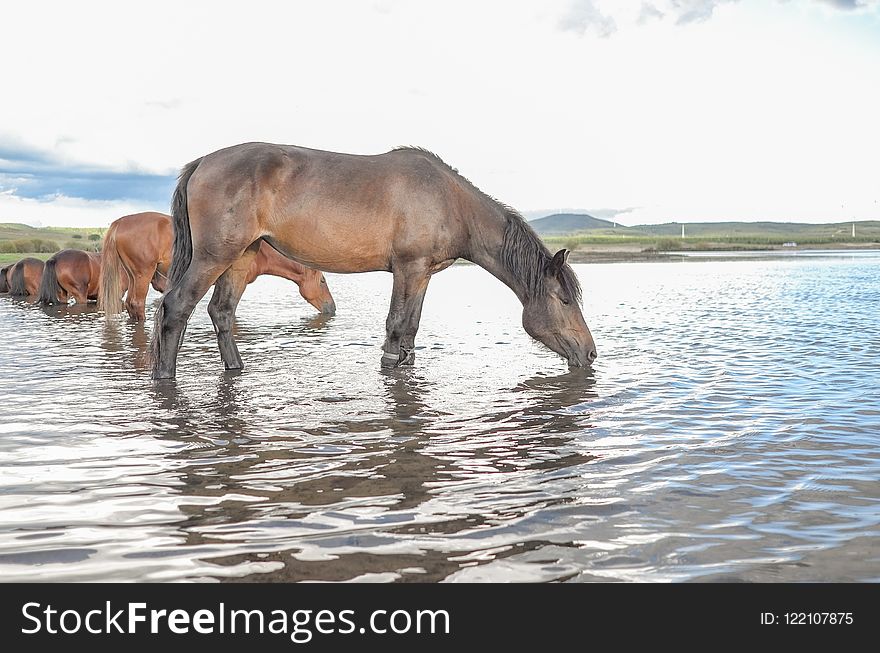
column 487, row 240
column 268, row 261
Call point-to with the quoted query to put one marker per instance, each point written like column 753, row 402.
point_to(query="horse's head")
column 554, row 317
column 4, row 283
column 313, row 288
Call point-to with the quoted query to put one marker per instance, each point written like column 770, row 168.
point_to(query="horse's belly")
column 331, row 251
column 344, row 265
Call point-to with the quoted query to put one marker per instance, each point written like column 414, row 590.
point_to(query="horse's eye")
column 564, row 301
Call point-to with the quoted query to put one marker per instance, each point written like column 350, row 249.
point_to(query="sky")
column 642, row 111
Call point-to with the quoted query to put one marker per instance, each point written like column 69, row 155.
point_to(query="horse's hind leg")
column 227, row 292
column 136, row 299
column 174, row 311
column 80, row 294
column 402, row 324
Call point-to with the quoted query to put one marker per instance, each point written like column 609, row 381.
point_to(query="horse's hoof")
column 405, row 358
column 408, row 358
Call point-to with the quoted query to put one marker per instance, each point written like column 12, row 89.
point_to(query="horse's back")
column 33, row 274
column 333, row 211
column 138, row 224
column 144, row 238
column 71, row 257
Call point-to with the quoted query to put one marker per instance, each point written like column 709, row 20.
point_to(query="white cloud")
column 584, row 16
column 61, row 211
column 768, row 110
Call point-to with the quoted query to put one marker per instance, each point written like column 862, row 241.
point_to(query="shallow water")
column 730, row 430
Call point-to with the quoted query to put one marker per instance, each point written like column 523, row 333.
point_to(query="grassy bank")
column 20, row 239
column 7, row 258
column 614, row 247
column 719, row 236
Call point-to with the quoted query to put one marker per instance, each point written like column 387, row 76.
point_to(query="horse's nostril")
column 592, row 355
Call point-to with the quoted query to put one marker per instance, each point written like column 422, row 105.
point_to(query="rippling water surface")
column 730, row 430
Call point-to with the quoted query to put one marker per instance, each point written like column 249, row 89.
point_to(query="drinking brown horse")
column 25, row 277
column 70, row 273
column 137, row 253
column 312, row 284
column 405, row 212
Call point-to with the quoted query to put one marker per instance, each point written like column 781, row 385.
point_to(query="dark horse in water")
column 70, row 273
column 4, row 278
column 137, row 254
column 24, row 277
column 405, row 212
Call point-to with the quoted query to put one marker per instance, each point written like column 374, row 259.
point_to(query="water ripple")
column 728, row 431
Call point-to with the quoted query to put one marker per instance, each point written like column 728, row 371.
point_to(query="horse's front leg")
column 411, row 328
column 407, row 296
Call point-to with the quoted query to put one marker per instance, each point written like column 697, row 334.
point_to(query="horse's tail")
column 181, row 251
column 110, row 286
column 16, row 283
column 49, row 288
column 4, row 284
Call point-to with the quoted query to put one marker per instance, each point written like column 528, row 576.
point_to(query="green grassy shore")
column 18, row 241
column 662, row 241
column 596, row 249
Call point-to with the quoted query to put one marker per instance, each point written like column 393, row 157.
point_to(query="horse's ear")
column 559, row 259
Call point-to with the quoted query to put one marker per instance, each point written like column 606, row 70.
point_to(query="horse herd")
column 261, row 208
column 136, row 254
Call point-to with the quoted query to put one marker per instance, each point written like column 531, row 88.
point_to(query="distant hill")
column 568, row 223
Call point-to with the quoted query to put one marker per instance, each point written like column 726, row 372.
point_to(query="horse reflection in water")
column 128, row 344
column 393, row 496
column 79, row 313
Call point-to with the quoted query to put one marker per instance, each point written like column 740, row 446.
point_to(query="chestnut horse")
column 136, row 253
column 70, row 273
column 140, row 246
column 25, row 277
column 405, row 212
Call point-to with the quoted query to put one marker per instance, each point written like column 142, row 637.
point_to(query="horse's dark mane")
column 526, row 257
column 523, row 253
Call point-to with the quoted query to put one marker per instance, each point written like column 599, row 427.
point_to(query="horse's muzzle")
column 582, row 360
